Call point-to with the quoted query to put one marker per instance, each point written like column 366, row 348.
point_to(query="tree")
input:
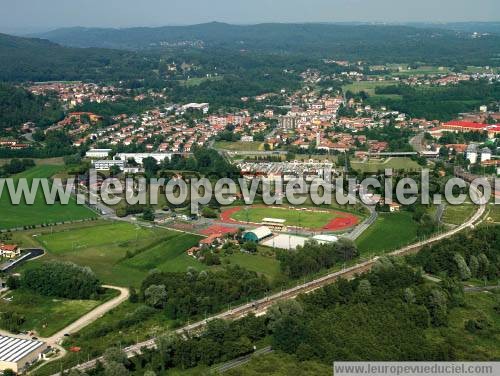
column 62, row 279
column 115, row 354
column 13, row 282
column 155, row 296
column 463, row 270
column 148, row 215
column 133, row 297
column 115, row 369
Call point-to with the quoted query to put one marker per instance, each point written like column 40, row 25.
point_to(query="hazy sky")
column 46, row 14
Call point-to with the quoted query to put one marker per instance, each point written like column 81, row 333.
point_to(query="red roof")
column 472, row 125
column 8, row 247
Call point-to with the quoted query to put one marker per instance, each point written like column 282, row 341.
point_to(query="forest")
column 372, row 43
column 465, row 256
column 439, row 103
column 18, row 106
column 183, row 295
column 62, row 280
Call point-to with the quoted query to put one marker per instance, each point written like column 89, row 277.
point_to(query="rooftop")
column 13, row 349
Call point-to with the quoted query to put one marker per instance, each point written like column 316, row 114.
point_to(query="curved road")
column 91, row 316
column 259, row 307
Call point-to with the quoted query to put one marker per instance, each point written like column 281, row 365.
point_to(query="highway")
column 259, row 307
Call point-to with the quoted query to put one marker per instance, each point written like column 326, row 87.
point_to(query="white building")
column 246, row 139
column 471, row 154
column 197, row 106
column 18, row 354
column 98, row 153
column 485, row 154
column 139, row 157
column 105, row 165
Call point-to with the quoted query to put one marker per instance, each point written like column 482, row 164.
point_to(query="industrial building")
column 17, row 353
column 257, row 234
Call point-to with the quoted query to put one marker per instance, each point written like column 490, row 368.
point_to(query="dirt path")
column 91, row 316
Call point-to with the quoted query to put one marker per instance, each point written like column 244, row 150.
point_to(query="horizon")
column 32, row 16
column 30, row 31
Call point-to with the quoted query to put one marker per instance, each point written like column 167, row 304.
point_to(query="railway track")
column 259, row 307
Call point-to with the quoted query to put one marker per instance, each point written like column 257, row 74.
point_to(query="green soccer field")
column 120, row 253
column 13, row 216
column 293, row 217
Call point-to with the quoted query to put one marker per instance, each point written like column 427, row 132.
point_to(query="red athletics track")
column 343, row 221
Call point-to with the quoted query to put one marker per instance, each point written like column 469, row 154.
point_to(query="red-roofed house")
column 9, row 250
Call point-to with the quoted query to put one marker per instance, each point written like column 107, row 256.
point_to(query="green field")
column 45, row 315
column 369, row 88
column 268, row 266
column 100, row 335
column 196, row 81
column 39, row 213
column 120, row 253
column 398, row 163
column 389, row 232
column 239, row 146
column 307, row 219
column 458, row 214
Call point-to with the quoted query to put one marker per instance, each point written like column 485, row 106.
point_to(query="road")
column 91, row 316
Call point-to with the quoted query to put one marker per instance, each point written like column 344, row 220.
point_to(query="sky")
column 40, row 15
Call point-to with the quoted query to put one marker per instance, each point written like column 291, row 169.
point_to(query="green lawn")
column 268, row 266
column 103, row 246
column 398, row 163
column 39, row 213
column 458, row 214
column 293, row 217
column 239, row 146
column 389, row 232
column 45, row 315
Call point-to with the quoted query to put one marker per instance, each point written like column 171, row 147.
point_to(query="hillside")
column 32, row 59
column 375, row 43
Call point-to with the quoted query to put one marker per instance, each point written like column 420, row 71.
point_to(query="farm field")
column 120, row 253
column 398, row 163
column 389, row 232
column 369, row 88
column 239, row 146
column 43, row 314
column 39, row 213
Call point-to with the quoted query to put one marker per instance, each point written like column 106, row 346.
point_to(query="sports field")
column 39, row 213
column 306, row 218
column 120, row 253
